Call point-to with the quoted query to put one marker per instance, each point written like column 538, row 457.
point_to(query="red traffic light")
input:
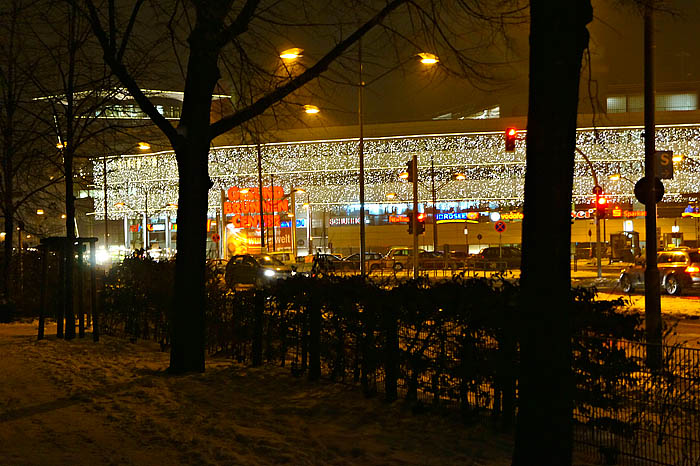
column 421, row 217
column 511, row 136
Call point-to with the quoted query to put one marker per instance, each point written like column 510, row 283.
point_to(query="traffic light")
column 410, row 222
column 408, row 174
column 601, row 203
column 511, row 136
column 421, row 224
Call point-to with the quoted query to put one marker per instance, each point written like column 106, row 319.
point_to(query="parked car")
column 255, row 269
column 432, row 260
column 326, row 263
column 352, row 262
column 398, row 258
column 497, row 257
column 679, row 269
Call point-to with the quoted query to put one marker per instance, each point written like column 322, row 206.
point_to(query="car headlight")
column 269, row 273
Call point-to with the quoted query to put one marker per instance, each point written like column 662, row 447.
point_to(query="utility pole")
column 414, row 219
column 652, row 291
column 361, row 148
column 104, row 182
column 260, row 195
column 435, row 226
column 272, row 204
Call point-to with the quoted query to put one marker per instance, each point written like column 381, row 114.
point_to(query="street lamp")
column 426, row 59
column 292, row 54
column 311, row 109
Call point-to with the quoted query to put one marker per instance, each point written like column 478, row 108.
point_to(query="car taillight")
column 692, row 269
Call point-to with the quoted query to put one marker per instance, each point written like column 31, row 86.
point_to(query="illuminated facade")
column 327, row 171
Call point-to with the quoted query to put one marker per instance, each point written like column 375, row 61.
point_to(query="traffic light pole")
column 414, row 220
column 652, row 288
column 435, row 225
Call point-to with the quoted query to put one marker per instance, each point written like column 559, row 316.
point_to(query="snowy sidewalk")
column 110, row 403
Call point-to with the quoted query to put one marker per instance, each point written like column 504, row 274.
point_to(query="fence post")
column 369, row 364
column 258, row 327
column 391, row 354
column 93, row 295
column 81, row 301
column 314, row 338
column 44, row 288
column 60, row 309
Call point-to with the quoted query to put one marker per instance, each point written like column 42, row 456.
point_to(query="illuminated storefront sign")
column 398, row 218
column 616, row 212
column 243, row 208
column 512, row 216
column 449, row 217
column 344, row 221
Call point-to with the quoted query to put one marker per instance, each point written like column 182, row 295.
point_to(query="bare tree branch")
column 263, row 103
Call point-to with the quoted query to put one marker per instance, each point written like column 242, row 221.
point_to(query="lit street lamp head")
column 311, row 109
column 428, row 58
column 292, row 54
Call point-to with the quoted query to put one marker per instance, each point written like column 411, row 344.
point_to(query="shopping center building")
column 312, row 175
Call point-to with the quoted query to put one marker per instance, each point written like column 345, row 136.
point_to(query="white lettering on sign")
column 344, row 221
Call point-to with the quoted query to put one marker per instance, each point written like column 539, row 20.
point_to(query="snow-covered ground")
column 81, row 403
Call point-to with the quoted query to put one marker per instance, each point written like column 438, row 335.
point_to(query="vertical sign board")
column 663, row 160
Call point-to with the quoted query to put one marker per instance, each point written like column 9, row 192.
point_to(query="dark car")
column 352, row 262
column 679, row 269
column 496, row 257
column 326, row 263
column 255, row 269
column 432, row 260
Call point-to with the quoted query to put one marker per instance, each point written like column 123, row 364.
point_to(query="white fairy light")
column 328, row 170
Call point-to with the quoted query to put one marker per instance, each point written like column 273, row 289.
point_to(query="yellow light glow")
column 173, row 204
column 428, row 58
column 61, row 145
column 615, row 177
column 40, row 211
column 244, row 191
column 144, row 146
column 391, row 195
column 292, row 54
column 29, row 236
column 677, row 158
column 119, row 204
column 403, row 175
column 460, row 176
column 299, row 190
column 63, row 216
column 311, row 109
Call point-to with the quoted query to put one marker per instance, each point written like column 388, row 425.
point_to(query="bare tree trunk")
column 192, row 153
column 8, row 211
column 558, row 37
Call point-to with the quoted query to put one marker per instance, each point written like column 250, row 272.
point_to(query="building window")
column 664, row 103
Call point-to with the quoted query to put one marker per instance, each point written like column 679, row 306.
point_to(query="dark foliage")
column 445, row 343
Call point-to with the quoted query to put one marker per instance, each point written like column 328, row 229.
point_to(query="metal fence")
column 450, row 345
column 652, row 417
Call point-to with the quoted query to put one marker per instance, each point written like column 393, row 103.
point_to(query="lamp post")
column 426, row 59
column 652, row 295
column 597, row 190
